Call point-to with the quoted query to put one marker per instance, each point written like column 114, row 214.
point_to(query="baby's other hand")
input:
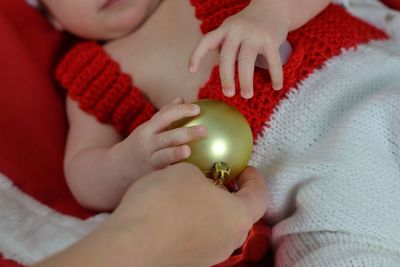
column 153, row 146
column 242, row 37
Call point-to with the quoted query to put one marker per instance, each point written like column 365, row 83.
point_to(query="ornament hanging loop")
column 220, row 172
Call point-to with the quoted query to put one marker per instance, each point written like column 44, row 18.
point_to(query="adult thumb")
column 253, row 192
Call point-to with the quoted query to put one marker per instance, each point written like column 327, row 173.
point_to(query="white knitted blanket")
column 330, row 158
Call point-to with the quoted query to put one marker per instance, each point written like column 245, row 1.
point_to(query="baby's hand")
column 243, row 36
column 151, row 146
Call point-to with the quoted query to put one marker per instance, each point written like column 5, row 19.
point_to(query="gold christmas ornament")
column 226, row 150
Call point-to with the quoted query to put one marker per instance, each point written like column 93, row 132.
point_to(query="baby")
column 99, row 164
column 327, row 142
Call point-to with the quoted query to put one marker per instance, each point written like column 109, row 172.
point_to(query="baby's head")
column 99, row 19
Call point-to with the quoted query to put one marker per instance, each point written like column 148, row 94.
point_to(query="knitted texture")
column 376, row 13
column 330, row 154
column 96, row 82
column 331, row 160
column 212, row 13
column 320, row 39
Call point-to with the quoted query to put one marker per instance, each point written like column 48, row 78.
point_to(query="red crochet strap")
column 316, row 42
column 93, row 79
column 213, row 12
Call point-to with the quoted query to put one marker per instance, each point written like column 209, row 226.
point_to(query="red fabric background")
column 33, row 123
column 32, row 120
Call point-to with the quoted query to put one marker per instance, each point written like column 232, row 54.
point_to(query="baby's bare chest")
column 158, row 56
column 164, row 74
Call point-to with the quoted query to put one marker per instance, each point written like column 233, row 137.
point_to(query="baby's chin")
column 109, row 31
column 113, row 34
column 123, row 19
column 106, row 25
column 99, row 34
column 121, row 26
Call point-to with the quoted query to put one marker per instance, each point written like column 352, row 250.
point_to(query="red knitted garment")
column 94, row 80
column 319, row 40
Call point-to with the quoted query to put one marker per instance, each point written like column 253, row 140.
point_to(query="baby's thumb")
column 253, row 192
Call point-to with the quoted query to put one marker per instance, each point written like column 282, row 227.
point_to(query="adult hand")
column 174, row 217
column 190, row 221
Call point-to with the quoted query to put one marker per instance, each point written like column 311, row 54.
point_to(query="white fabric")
column 376, row 13
column 332, row 161
column 331, row 157
column 30, row 231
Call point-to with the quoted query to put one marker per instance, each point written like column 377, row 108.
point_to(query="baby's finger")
column 227, row 61
column 178, row 100
column 210, row 41
column 171, row 113
column 247, row 60
column 169, row 155
column 274, row 66
column 178, row 136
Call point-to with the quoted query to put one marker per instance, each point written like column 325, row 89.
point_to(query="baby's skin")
column 99, row 164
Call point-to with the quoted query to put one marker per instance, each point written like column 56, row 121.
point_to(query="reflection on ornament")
column 226, row 150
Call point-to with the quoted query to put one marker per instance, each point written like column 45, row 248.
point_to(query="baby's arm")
column 260, row 28
column 99, row 165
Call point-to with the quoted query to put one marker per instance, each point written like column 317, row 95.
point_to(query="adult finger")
column 252, row 192
column 247, row 59
column 210, row 41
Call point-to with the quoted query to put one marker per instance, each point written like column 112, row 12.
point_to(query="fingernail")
column 177, row 100
column 185, row 151
column 195, row 108
column 277, row 87
column 247, row 94
column 201, row 129
column 229, row 92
